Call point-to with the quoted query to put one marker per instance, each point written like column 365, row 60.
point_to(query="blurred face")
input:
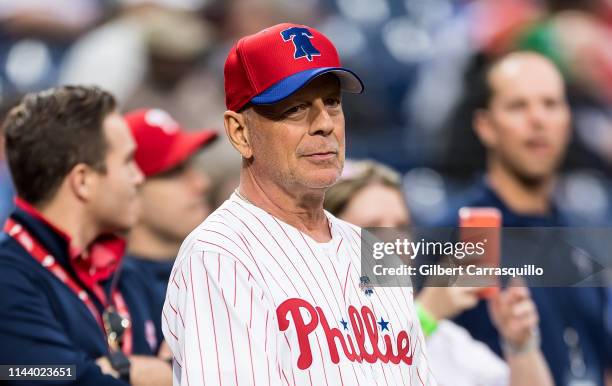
column 175, row 202
column 115, row 203
column 527, row 125
column 298, row 143
column 377, row 205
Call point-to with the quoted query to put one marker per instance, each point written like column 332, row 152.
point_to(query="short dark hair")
column 50, row 132
column 481, row 91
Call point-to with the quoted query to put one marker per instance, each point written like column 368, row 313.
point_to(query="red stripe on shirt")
column 195, row 312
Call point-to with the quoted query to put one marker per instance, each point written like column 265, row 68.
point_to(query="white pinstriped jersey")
column 254, row 301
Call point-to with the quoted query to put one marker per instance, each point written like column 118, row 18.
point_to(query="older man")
column 267, row 289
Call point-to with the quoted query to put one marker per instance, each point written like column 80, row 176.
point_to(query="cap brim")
column 349, row 82
column 186, row 145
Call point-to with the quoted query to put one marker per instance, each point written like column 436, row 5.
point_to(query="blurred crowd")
column 419, row 60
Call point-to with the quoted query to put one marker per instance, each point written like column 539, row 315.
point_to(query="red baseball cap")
column 161, row 142
column 268, row 66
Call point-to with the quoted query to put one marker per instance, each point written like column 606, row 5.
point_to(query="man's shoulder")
column 223, row 227
column 240, row 223
column 14, row 257
column 19, row 272
column 232, row 217
column 218, row 235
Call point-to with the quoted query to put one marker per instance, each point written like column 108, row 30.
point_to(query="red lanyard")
column 34, row 248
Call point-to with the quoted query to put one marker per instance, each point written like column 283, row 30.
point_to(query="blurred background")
column 416, row 58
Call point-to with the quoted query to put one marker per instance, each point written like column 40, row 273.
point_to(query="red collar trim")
column 104, row 255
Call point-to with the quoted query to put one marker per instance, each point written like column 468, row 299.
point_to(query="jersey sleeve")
column 219, row 323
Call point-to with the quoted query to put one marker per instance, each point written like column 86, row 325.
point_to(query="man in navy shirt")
column 71, row 156
column 173, row 199
column 523, row 121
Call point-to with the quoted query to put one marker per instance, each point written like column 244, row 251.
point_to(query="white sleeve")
column 219, row 323
column 462, row 360
column 421, row 360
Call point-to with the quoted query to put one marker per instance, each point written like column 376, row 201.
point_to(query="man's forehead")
column 524, row 67
column 117, row 131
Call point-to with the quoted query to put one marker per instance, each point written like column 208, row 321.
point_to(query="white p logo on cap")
column 161, row 119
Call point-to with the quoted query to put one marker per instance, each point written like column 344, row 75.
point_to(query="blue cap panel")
column 349, row 82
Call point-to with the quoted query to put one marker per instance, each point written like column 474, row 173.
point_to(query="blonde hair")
column 356, row 176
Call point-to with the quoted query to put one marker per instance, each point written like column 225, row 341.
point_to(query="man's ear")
column 80, row 181
column 484, row 128
column 238, row 132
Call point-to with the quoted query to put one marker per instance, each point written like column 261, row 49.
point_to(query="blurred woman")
column 369, row 195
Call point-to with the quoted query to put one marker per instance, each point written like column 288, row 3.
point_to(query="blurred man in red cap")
column 267, row 290
column 173, row 200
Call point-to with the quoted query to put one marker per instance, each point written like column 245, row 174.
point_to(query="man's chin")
column 322, row 184
column 121, row 225
column 532, row 172
column 305, row 178
column 121, row 230
column 535, row 177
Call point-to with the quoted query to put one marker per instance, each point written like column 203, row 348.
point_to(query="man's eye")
column 295, row 109
column 552, row 103
column 333, row 102
column 516, row 105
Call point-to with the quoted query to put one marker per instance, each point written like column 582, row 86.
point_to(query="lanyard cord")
column 40, row 254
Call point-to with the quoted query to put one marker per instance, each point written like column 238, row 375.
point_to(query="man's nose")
column 321, row 122
column 538, row 114
column 139, row 176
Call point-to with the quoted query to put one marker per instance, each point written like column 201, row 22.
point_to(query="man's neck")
column 71, row 219
column 302, row 210
column 142, row 242
column 521, row 197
